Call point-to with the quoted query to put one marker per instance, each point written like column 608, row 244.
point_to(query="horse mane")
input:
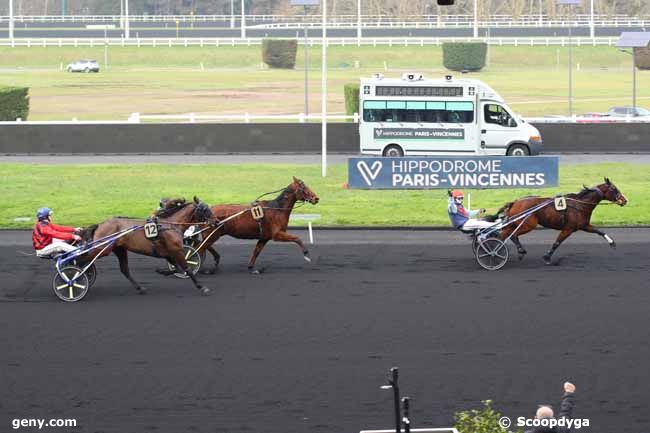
column 583, row 192
column 171, row 206
column 279, row 200
column 88, row 233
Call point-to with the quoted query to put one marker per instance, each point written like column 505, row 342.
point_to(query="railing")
column 299, row 118
column 615, row 20
column 232, row 42
column 245, row 118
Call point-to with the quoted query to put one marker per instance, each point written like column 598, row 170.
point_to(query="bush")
column 14, row 103
column 485, row 420
column 351, row 92
column 458, row 56
column 642, row 58
column 279, row 53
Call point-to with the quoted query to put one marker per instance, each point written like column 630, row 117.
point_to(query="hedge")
column 279, row 53
column 642, row 58
column 14, row 103
column 351, row 93
column 459, row 56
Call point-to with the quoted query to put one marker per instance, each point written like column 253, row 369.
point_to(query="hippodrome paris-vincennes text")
column 465, row 173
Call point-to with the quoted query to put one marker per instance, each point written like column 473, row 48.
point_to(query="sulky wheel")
column 70, row 285
column 193, row 259
column 491, row 253
column 92, row 275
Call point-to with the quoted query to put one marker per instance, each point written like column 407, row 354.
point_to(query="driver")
column 461, row 218
column 50, row 239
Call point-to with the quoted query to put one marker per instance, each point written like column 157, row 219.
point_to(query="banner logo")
column 369, row 173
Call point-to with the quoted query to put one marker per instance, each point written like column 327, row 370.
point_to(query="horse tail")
column 500, row 213
column 88, row 233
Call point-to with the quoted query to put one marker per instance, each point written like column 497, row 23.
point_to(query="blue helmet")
column 43, row 213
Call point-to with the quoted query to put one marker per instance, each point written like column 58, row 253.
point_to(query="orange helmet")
column 457, row 193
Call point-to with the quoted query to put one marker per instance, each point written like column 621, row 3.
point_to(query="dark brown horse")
column 172, row 220
column 272, row 226
column 577, row 215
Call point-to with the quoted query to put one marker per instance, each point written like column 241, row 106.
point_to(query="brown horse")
column 577, row 215
column 272, row 226
column 172, row 220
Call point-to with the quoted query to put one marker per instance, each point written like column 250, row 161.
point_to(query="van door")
column 498, row 128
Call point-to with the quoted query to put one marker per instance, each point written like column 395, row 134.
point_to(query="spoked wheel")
column 70, row 285
column 91, row 272
column 193, row 259
column 491, row 253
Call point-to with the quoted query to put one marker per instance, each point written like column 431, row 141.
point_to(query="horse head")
column 610, row 192
column 202, row 212
column 302, row 191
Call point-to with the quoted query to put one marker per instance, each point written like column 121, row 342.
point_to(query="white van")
column 414, row 116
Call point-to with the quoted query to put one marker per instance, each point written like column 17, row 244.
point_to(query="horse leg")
column 178, row 259
column 591, row 229
column 561, row 237
column 256, row 252
column 217, row 259
column 286, row 237
column 123, row 258
column 521, row 251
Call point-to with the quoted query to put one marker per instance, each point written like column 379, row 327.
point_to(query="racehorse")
column 272, row 226
column 171, row 219
column 577, row 215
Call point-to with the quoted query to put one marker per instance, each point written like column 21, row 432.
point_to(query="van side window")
column 493, row 113
column 418, row 111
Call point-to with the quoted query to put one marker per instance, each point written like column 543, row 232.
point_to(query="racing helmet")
column 43, row 213
column 457, row 194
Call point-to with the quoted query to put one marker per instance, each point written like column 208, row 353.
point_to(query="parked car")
column 83, row 66
column 629, row 112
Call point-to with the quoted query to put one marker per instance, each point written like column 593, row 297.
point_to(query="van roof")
column 484, row 90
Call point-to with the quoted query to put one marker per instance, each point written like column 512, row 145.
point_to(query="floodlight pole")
column 232, row 14
column 243, row 19
column 394, row 383
column 324, row 91
column 358, row 23
column 306, row 64
column 475, row 19
column 11, row 21
column 127, row 33
column 592, row 25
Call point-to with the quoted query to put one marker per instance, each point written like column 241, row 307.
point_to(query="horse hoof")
column 547, row 260
column 205, row 291
column 141, row 291
column 210, row 271
column 257, row 271
column 613, row 245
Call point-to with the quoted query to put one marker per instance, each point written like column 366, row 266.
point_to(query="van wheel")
column 393, row 151
column 518, row 150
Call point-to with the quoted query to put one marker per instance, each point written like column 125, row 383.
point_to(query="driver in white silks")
column 461, row 218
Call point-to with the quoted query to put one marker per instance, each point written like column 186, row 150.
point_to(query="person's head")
column 458, row 196
column 544, row 412
column 44, row 214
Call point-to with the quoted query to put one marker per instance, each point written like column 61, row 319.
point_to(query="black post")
column 406, row 421
column 393, row 382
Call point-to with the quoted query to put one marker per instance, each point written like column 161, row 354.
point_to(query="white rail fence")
column 290, row 118
column 232, row 42
column 529, row 19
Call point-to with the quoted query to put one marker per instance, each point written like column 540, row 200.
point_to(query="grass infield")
column 86, row 194
column 230, row 80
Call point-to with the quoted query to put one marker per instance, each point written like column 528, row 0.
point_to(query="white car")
column 83, row 66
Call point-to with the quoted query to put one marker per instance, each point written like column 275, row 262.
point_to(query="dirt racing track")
column 304, row 347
